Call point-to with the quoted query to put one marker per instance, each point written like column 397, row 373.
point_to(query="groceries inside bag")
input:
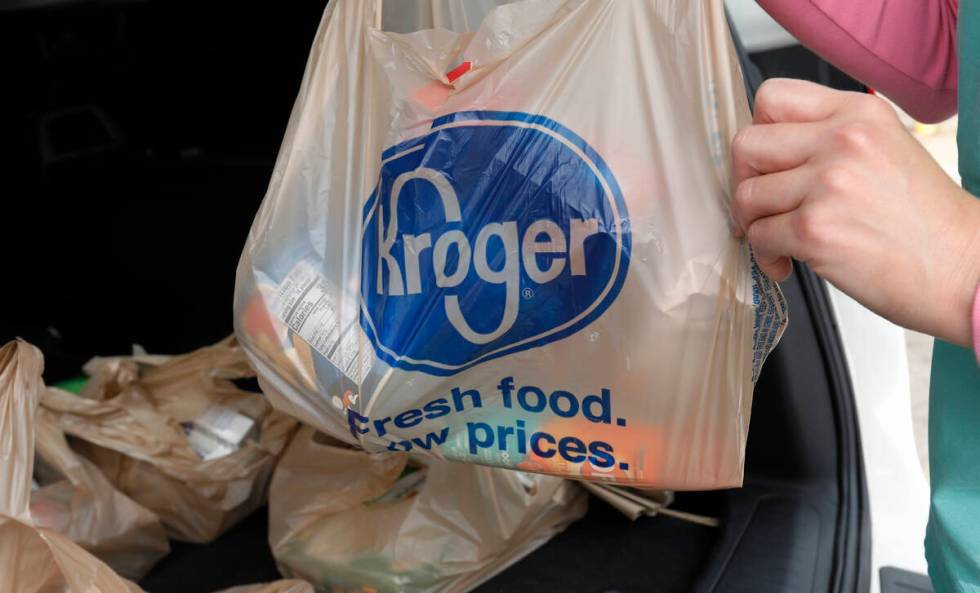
column 178, row 436
column 73, row 498
column 34, row 558
column 281, row 586
column 350, row 521
column 513, row 246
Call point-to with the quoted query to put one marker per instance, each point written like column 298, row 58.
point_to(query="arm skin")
column 906, row 49
column 833, row 178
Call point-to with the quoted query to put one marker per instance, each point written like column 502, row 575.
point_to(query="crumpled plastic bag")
column 79, row 502
column 513, row 246
column 135, row 432
column 350, row 521
column 283, row 586
column 34, row 559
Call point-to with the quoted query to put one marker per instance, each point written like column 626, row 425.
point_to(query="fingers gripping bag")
column 513, row 246
column 350, row 521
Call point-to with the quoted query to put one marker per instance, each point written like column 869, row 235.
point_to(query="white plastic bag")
column 349, row 521
column 34, row 559
column 456, row 15
column 140, row 424
column 513, row 246
column 75, row 499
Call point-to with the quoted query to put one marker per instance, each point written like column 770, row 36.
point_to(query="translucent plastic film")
column 512, row 246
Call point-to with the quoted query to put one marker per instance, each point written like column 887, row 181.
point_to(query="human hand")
column 833, row 179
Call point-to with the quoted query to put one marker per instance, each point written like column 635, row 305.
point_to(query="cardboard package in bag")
column 76, row 500
column 178, row 436
column 513, row 246
column 350, row 521
column 34, row 559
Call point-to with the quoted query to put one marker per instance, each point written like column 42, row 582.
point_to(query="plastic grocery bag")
column 283, row 586
column 350, row 521
column 76, row 500
column 456, row 15
column 144, row 437
column 513, row 246
column 34, row 559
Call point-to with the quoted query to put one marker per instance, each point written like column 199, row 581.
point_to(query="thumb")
column 776, row 267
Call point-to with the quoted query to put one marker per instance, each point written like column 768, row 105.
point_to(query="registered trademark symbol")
column 527, row 293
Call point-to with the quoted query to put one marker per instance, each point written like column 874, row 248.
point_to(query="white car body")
column 757, row 30
column 898, row 492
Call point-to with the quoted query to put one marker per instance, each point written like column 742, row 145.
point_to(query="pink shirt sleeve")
column 906, row 49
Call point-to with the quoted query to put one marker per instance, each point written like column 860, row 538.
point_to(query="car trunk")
column 150, row 131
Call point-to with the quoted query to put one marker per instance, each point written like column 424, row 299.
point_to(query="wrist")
column 958, row 298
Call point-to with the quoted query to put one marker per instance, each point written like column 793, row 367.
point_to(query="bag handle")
column 21, row 365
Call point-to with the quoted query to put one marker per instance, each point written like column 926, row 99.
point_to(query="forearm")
column 906, row 50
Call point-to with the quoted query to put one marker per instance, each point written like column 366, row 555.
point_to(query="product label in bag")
column 303, row 303
column 470, row 255
column 218, row 431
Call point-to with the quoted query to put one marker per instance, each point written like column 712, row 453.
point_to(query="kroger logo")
column 494, row 233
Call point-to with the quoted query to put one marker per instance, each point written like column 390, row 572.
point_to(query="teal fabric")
column 953, row 535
